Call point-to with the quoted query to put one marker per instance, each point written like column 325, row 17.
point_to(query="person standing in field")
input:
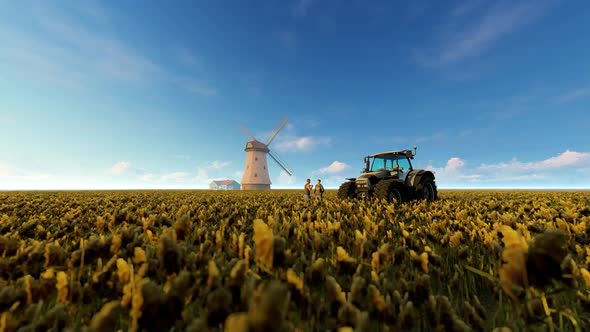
column 307, row 189
column 319, row 191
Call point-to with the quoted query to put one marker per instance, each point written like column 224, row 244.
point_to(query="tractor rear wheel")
column 346, row 190
column 428, row 191
column 390, row 190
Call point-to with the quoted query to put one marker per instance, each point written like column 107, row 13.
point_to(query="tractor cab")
column 396, row 163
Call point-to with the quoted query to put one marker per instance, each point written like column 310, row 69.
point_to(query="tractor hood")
column 378, row 174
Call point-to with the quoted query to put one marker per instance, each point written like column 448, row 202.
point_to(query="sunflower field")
column 270, row 261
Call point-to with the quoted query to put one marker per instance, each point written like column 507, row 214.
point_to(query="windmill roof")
column 256, row 145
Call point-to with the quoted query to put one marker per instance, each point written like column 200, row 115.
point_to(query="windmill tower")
column 256, row 169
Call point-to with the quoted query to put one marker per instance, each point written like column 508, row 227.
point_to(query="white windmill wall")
column 256, row 169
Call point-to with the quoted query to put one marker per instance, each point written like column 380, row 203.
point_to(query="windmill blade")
column 282, row 164
column 277, row 132
column 247, row 132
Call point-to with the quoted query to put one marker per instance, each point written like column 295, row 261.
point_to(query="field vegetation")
column 268, row 261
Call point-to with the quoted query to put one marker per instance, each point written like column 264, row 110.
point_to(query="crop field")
column 269, row 261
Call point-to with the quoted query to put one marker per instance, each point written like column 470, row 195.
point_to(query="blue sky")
column 109, row 94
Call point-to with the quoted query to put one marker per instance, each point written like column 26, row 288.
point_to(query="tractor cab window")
column 390, row 163
column 403, row 164
column 379, row 164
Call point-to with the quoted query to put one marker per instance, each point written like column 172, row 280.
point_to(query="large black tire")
column 389, row 190
column 347, row 190
column 428, row 190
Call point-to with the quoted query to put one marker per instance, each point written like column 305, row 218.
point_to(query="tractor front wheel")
column 389, row 190
column 346, row 190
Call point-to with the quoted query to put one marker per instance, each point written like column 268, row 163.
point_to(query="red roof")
column 224, row 182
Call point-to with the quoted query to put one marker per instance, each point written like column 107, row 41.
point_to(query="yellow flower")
column 62, row 287
column 263, row 243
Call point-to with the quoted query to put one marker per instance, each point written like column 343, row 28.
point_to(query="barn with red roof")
column 224, row 185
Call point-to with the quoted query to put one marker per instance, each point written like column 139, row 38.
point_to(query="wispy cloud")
column 284, row 180
column 289, row 141
column 200, row 88
column 189, row 59
column 125, row 168
column 301, row 143
column 120, row 167
column 287, row 38
column 335, row 167
column 456, row 170
column 467, row 7
column 218, row 164
column 573, row 95
column 11, row 172
column 212, row 170
column 176, row 176
column 399, row 140
column 169, row 177
column 299, row 8
column 465, row 36
column 565, row 159
column 60, row 49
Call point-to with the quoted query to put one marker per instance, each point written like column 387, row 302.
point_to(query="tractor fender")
column 415, row 177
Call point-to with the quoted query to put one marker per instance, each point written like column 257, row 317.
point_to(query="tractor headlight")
column 362, row 183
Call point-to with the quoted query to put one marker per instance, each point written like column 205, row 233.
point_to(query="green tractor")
column 390, row 176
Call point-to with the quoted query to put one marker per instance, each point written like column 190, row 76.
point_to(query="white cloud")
column 176, row 176
column 6, row 170
column 202, row 178
column 403, row 140
column 335, row 167
column 213, row 170
column 149, row 177
column 9, row 173
column 565, row 159
column 466, row 7
column 218, row 164
column 304, row 143
column 456, row 171
column 120, row 167
column 454, row 164
column 169, row 177
column 573, row 95
column 465, row 36
column 284, row 180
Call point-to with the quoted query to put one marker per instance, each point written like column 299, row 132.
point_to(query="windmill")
column 256, row 169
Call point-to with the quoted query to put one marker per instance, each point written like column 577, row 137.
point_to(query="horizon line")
column 287, row 188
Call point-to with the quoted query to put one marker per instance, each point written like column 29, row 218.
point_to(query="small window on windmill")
column 263, row 167
column 255, row 175
column 255, row 158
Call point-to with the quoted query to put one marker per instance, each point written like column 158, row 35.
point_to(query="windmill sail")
column 277, row 132
column 282, row 164
column 248, row 132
